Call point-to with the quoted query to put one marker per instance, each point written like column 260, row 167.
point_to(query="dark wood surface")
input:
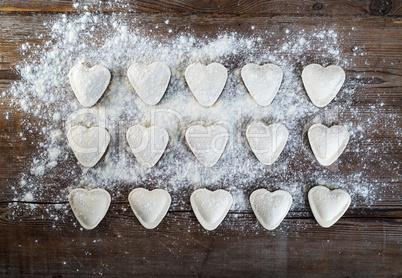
column 366, row 242
column 245, row 7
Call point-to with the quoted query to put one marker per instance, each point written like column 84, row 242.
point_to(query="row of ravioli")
column 209, row 207
column 207, row 143
column 206, row 82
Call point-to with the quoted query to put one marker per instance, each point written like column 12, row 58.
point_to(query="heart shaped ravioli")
column 270, row 208
column 147, row 144
column 322, row 84
column 89, row 84
column 267, row 142
column 149, row 81
column 89, row 206
column 262, row 82
column 210, row 207
column 206, row 82
column 207, row 143
column 88, row 144
column 328, row 143
column 150, row 207
column 327, row 205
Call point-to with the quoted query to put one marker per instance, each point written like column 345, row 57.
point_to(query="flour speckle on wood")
column 44, row 94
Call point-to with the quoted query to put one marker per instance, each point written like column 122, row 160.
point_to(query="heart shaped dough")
column 88, row 144
column 322, row 84
column 207, row 143
column 262, row 82
column 150, row 207
column 267, row 142
column 89, row 84
column 149, row 81
column 328, row 143
column 210, row 207
column 147, row 144
column 327, row 205
column 270, row 208
column 206, row 82
column 89, row 206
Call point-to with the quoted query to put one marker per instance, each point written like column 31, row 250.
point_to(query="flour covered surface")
column 206, row 82
column 147, row 144
column 44, row 95
column 267, row 142
column 262, row 81
column 149, row 81
column 326, row 143
column 88, row 144
column 89, row 84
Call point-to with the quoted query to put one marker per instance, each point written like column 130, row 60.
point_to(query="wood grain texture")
column 272, row 7
column 382, row 75
column 180, row 247
column 365, row 243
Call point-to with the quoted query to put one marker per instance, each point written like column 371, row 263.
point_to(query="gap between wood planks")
column 394, row 18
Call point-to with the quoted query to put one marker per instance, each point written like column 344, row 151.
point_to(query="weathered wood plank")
column 273, row 7
column 378, row 84
column 38, row 245
column 48, row 241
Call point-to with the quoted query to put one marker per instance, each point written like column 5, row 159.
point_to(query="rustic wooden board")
column 366, row 242
column 273, row 7
column 179, row 247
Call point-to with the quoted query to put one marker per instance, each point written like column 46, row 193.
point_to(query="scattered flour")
column 28, row 197
column 45, row 95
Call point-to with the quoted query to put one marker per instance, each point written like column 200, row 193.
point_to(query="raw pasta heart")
column 149, row 81
column 207, row 143
column 327, row 205
column 322, row 84
column 267, row 142
column 206, row 82
column 328, row 143
column 262, row 82
column 150, row 207
column 210, row 207
column 88, row 144
column 89, row 206
column 89, row 84
column 147, row 144
column 270, row 208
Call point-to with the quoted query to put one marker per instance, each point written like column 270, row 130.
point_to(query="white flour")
column 45, row 96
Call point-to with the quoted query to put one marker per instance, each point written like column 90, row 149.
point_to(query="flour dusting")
column 44, row 93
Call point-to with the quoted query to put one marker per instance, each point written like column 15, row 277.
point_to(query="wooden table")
column 366, row 242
